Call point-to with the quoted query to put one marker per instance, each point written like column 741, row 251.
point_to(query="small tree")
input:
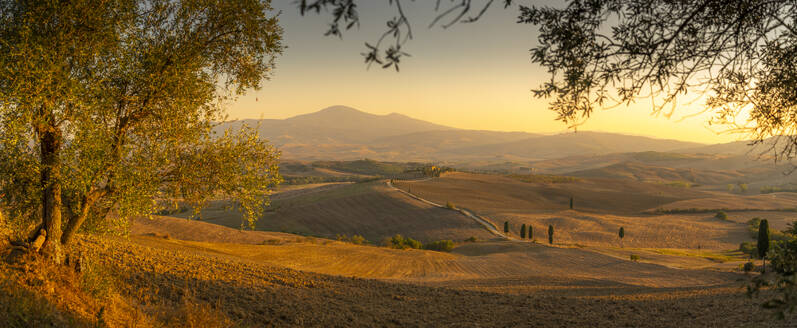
column 763, row 242
column 550, row 234
column 721, row 215
column 571, row 202
column 742, row 187
column 531, row 233
column 506, row 226
column 523, row 231
column 621, row 234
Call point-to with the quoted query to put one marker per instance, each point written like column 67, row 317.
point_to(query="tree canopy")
column 107, row 107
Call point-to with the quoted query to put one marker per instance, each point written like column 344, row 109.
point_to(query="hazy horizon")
column 448, row 80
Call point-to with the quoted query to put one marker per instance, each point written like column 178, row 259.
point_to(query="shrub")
column 412, row 243
column 450, row 205
column 358, row 240
column 749, row 249
column 634, row 257
column 721, row 215
column 550, row 234
column 742, row 187
column 523, row 231
column 471, row 239
column 399, row 242
column 340, row 237
column 440, row 246
column 747, row 267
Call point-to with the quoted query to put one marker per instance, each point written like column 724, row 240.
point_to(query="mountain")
column 341, row 132
column 345, row 133
column 336, row 125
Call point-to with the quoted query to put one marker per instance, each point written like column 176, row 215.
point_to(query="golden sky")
column 471, row 76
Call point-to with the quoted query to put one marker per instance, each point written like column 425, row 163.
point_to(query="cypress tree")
column 531, row 233
column 506, row 226
column 571, row 202
column 523, row 231
column 550, row 234
column 621, row 234
column 763, row 242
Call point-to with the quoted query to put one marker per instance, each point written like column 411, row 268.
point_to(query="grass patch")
column 543, row 178
column 721, row 257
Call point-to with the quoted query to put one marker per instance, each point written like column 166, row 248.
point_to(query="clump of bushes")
column 440, row 246
column 354, row 239
column 634, row 257
column 400, row 242
column 747, row 267
column 749, row 249
column 721, row 215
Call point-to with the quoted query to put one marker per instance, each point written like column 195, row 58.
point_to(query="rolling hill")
column 345, row 133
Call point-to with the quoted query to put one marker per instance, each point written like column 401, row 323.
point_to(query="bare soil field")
column 369, row 209
column 482, row 191
column 254, row 294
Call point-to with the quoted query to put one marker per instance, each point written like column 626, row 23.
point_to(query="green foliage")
column 749, row 249
column 399, row 242
column 354, row 239
column 679, row 184
column 772, row 189
column 523, row 231
column 550, row 234
column 531, row 232
column 721, row 215
column 622, row 232
column 358, row 240
column 440, row 246
column 634, row 257
column 506, row 226
column 742, row 187
column 128, row 120
column 543, row 178
column 763, row 238
column 571, row 202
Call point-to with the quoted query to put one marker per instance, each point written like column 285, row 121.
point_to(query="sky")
column 470, row 76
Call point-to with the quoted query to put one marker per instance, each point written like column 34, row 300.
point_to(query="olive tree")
column 106, row 107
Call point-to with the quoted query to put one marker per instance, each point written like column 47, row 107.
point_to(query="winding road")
column 484, row 222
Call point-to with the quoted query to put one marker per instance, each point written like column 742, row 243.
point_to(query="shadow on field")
column 287, row 298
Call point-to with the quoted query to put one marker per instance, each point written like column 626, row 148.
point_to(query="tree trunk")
column 76, row 222
column 50, row 146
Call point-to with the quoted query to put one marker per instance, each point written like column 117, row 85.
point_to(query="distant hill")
column 650, row 173
column 570, row 144
column 345, row 133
